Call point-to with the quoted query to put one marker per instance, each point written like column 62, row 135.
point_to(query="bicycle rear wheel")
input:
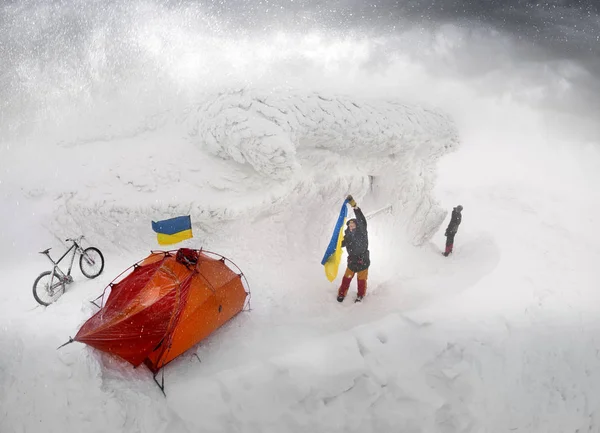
column 45, row 291
column 91, row 262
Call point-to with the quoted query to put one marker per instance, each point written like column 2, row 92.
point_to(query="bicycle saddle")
column 45, row 251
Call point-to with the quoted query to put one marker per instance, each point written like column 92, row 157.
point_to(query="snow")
column 500, row 336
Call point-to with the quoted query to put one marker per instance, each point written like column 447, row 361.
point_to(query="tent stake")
column 68, row 342
column 161, row 385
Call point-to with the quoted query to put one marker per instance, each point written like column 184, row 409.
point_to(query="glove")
column 351, row 201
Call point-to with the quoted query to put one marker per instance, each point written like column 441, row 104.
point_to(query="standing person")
column 452, row 229
column 356, row 242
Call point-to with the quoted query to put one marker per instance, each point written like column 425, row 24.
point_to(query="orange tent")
column 168, row 303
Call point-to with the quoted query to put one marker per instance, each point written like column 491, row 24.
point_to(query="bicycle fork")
column 89, row 260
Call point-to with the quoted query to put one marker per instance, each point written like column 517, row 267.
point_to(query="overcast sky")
column 45, row 44
column 569, row 26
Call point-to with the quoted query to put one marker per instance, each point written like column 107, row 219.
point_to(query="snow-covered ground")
column 500, row 336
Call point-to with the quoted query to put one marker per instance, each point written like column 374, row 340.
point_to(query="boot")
column 343, row 288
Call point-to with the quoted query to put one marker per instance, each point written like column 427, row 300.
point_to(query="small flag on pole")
column 333, row 254
column 173, row 230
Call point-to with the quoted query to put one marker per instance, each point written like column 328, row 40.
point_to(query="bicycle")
column 53, row 282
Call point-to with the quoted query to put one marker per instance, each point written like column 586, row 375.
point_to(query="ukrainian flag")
column 173, row 230
column 333, row 254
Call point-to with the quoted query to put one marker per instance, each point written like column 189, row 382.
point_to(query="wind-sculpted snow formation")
column 247, row 155
column 287, row 136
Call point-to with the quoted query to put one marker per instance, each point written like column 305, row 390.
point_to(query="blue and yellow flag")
column 333, row 254
column 173, row 230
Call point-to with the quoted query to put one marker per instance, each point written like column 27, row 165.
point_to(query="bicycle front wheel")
column 91, row 262
column 47, row 289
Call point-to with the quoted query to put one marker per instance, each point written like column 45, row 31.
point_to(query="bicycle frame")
column 64, row 276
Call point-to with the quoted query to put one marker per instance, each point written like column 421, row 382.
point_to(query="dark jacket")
column 454, row 223
column 357, row 244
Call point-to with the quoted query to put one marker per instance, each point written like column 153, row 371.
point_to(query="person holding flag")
column 356, row 242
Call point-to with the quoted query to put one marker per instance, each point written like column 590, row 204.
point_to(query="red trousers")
column 362, row 282
column 449, row 243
